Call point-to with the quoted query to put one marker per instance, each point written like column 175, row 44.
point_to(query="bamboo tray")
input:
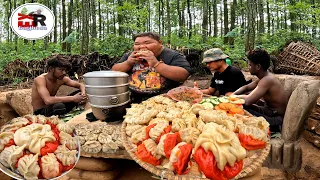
column 250, row 164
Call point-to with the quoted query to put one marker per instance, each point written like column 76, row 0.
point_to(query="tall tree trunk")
column 9, row 28
column 190, row 19
column 225, row 20
column 209, row 19
column 261, row 18
column 149, row 16
column 278, row 18
column 285, row 15
column 233, row 20
column 269, row 17
column 159, row 18
column 100, row 20
column 107, row 19
column 94, row 20
column 85, row 28
column 114, row 17
column 314, row 19
column 179, row 19
column 205, row 20
column 215, row 19
column 250, row 39
column 15, row 36
column 79, row 19
column 243, row 23
column 64, row 25
column 168, row 21
column 292, row 17
column 8, row 20
column 70, row 9
column 183, row 17
column 120, row 19
column 162, row 17
column 221, row 21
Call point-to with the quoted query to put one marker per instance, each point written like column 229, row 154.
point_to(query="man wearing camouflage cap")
column 226, row 79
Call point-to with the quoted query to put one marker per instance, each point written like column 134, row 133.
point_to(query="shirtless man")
column 268, row 87
column 45, row 87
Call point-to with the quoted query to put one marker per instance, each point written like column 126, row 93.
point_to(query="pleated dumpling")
column 36, row 118
column 71, row 142
column 146, row 152
column 10, row 155
column 50, row 166
column 5, row 137
column 183, row 105
column 39, row 138
column 104, row 138
column 254, row 132
column 200, row 125
column 143, row 118
column 91, row 137
column 151, row 146
column 191, row 120
column 139, row 135
column 13, row 127
column 16, row 154
column 131, row 128
column 28, row 166
column 92, row 147
column 19, row 120
column 62, row 126
column 223, row 143
column 196, row 108
column 189, row 135
column 65, row 156
column 179, row 158
column 210, row 115
column 178, row 124
column 81, row 139
column 53, row 120
column 157, row 119
column 158, row 130
column 167, row 143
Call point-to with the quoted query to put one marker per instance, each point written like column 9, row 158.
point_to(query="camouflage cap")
column 213, row 54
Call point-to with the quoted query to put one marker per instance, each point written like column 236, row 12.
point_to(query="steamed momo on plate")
column 38, row 147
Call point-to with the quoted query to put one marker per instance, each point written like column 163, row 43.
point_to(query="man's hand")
column 148, row 56
column 195, row 85
column 133, row 58
column 78, row 98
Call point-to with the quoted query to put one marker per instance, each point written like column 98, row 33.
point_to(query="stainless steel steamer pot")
column 108, row 93
column 109, row 100
column 110, row 113
column 105, row 78
column 105, row 90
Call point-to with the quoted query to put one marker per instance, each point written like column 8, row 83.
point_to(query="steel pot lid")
column 106, row 74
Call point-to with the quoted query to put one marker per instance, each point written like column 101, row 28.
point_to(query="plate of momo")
column 180, row 140
column 38, row 147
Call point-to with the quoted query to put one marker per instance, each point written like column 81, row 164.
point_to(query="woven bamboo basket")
column 250, row 166
column 299, row 58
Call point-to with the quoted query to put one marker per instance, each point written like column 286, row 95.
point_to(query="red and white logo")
column 32, row 21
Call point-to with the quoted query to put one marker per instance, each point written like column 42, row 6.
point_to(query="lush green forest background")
column 106, row 26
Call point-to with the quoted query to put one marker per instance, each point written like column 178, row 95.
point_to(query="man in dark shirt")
column 226, row 79
column 153, row 69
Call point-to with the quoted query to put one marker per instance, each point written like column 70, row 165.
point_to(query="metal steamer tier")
column 108, row 93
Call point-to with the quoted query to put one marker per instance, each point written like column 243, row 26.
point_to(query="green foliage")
column 72, row 37
column 17, row 80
